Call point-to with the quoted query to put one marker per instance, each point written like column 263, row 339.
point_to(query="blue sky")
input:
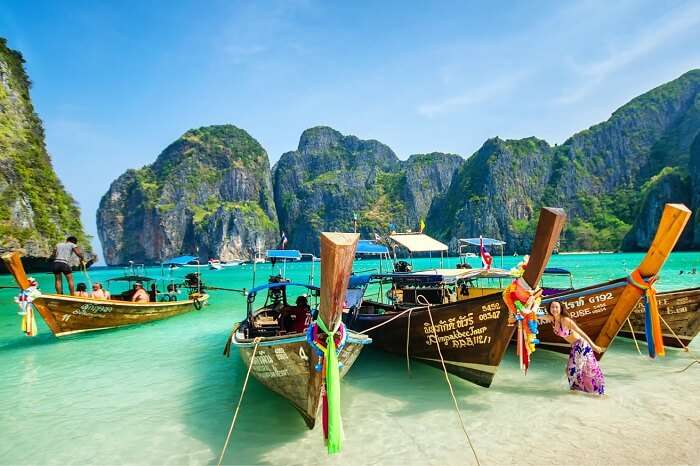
column 115, row 83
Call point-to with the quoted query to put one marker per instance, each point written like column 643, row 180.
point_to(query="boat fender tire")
column 197, row 304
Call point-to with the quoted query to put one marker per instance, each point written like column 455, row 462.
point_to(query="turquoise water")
column 162, row 393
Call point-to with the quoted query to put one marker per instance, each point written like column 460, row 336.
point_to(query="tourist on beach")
column 81, row 290
column 140, row 295
column 694, row 271
column 582, row 370
column 98, row 292
column 62, row 255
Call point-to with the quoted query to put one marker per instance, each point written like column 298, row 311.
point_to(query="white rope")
column 447, row 378
column 685, row 348
column 634, row 337
column 408, row 336
column 393, row 318
column 240, row 400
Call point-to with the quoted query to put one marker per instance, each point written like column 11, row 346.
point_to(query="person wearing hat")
column 140, row 295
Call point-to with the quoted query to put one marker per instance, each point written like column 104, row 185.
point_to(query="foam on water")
column 163, row 393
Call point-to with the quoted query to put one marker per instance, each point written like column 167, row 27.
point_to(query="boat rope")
column 87, row 276
column 652, row 324
column 240, row 400
column 393, row 318
column 633, row 336
column 697, row 361
column 408, row 335
column 447, row 378
column 685, row 348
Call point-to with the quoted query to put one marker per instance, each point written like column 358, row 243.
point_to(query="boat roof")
column 440, row 275
column 556, row 271
column 131, row 278
column 180, row 260
column 418, row 242
column 366, row 246
column 291, row 254
column 266, row 286
column 487, row 241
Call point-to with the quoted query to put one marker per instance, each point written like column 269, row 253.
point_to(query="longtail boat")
column 67, row 315
column 473, row 334
column 288, row 348
column 680, row 311
column 602, row 310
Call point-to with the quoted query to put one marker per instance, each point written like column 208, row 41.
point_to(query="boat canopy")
column 181, row 260
column 447, row 276
column 290, row 254
column 556, row 271
column 358, row 281
column 131, row 278
column 366, row 246
column 487, row 241
column 418, row 242
column 267, row 286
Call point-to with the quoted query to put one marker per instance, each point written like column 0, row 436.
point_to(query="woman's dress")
column 582, row 370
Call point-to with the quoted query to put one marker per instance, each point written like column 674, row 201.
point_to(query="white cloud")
column 484, row 93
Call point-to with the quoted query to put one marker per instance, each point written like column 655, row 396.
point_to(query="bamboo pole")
column 671, row 225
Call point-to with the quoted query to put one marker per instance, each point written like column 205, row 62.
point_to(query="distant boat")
column 67, row 315
column 216, row 264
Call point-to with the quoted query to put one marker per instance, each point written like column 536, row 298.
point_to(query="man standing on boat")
column 62, row 255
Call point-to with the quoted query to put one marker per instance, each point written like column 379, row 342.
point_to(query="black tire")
column 197, row 304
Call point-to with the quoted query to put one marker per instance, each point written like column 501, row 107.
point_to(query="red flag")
column 486, row 257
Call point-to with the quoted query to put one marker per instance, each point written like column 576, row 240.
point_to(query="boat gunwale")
column 86, row 300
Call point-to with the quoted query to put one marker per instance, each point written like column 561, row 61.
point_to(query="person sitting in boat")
column 153, row 294
column 582, row 370
column 62, row 256
column 81, row 291
column 98, row 292
column 294, row 319
column 140, row 295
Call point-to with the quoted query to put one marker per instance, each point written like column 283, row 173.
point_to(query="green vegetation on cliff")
column 35, row 209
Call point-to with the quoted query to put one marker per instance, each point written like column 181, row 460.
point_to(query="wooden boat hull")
column 67, row 315
column 681, row 311
column 473, row 335
column 286, row 365
column 589, row 307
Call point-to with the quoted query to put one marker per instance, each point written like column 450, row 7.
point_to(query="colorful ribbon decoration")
column 523, row 303
column 26, row 309
column 652, row 320
column 330, row 390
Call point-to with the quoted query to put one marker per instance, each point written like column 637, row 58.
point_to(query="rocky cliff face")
column 695, row 189
column 670, row 185
column 209, row 194
column 598, row 175
column 35, row 210
column 495, row 194
column 331, row 178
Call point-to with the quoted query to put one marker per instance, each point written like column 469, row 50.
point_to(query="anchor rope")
column 240, row 400
column 633, row 336
column 393, row 318
column 685, row 348
column 697, row 361
column 447, row 378
column 408, row 335
column 87, row 276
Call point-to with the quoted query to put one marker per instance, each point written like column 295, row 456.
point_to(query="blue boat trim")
column 266, row 286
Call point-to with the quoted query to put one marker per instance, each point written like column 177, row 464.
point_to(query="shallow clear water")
column 163, row 393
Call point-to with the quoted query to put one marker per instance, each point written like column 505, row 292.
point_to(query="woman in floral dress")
column 582, row 370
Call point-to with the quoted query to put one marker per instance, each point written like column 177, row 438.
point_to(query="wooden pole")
column 14, row 265
column 671, row 225
column 337, row 255
column 549, row 228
